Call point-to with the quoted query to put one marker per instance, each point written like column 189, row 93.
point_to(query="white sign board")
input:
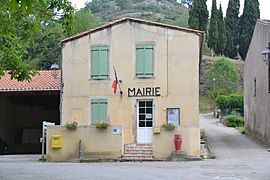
column 117, row 130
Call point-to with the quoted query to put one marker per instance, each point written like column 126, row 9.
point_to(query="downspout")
column 201, row 41
column 167, row 63
column 61, row 86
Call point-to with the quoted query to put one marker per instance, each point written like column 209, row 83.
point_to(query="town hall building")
column 156, row 70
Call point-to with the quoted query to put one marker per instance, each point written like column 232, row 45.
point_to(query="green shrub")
column 231, row 102
column 71, row 125
column 213, row 94
column 222, row 102
column 242, row 130
column 234, row 121
column 168, row 126
column 102, row 125
column 236, row 102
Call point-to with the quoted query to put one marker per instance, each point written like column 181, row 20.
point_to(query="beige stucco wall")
column 96, row 143
column 176, row 69
column 163, row 143
column 257, row 108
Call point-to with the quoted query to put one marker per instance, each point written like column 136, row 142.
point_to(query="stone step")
column 138, row 145
column 138, row 154
column 138, row 158
column 140, row 151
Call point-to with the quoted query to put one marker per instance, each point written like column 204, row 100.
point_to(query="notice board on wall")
column 173, row 116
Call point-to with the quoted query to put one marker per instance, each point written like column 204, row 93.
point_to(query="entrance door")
column 145, row 122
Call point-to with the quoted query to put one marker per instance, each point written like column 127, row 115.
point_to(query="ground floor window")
column 98, row 110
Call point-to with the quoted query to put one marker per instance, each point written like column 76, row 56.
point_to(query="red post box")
column 178, row 142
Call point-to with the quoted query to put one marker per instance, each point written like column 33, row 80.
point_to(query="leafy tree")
column 98, row 6
column 122, row 3
column 231, row 26
column 247, row 23
column 198, row 15
column 222, row 78
column 19, row 21
column 44, row 49
column 85, row 20
column 213, row 28
column 24, row 5
column 221, row 43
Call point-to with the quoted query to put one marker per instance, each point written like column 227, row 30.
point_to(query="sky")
column 264, row 6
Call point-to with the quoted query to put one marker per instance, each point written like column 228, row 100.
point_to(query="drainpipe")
column 61, row 86
column 167, row 63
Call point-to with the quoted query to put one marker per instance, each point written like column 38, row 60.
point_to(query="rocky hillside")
column 165, row 11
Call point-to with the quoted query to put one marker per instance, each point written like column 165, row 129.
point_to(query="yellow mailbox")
column 56, row 141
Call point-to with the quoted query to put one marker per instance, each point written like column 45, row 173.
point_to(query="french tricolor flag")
column 115, row 82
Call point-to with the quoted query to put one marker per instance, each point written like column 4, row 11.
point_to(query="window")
column 99, row 110
column 144, row 61
column 99, row 62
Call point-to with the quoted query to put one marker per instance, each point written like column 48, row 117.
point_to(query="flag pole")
column 117, row 82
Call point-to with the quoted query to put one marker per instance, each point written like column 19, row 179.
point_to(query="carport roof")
column 44, row 81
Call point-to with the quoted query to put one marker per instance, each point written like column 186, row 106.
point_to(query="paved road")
column 237, row 157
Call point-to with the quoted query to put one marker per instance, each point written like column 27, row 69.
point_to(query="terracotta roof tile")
column 43, row 81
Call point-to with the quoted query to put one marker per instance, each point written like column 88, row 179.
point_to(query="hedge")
column 234, row 121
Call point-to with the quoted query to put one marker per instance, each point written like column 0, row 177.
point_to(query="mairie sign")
column 144, row 92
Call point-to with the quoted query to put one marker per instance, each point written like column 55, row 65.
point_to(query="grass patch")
column 206, row 104
column 241, row 130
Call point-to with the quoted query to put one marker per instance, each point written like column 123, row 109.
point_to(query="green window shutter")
column 144, row 61
column 148, row 61
column 95, row 64
column 99, row 62
column 99, row 110
column 103, row 62
column 95, row 111
column 103, row 111
column 140, row 62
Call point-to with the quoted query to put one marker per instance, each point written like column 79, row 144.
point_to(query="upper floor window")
column 99, row 110
column 99, row 62
column 144, row 61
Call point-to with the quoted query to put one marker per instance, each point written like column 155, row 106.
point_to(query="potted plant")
column 102, row 125
column 169, row 126
column 71, row 125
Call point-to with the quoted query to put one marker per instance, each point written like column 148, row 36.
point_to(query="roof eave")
column 133, row 20
column 28, row 90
